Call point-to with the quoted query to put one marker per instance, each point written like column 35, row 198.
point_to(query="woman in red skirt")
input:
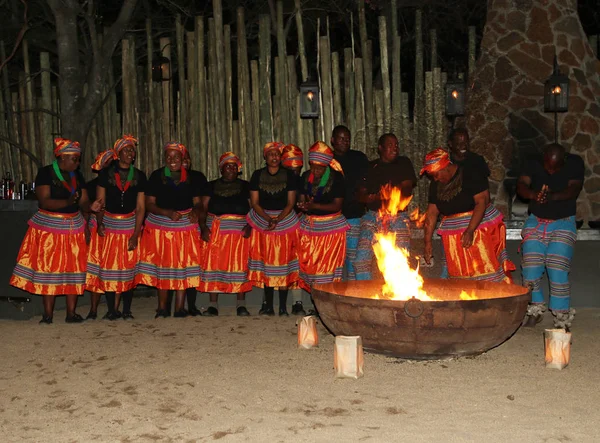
column 273, row 259
column 322, row 237
column 52, row 259
column 170, row 245
column 121, row 186
column 224, row 267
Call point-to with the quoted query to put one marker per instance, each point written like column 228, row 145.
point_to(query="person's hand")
column 101, row 229
column 542, row 196
column 467, row 239
column 74, row 198
column 193, row 217
column 428, row 252
column 301, row 206
column 97, row 206
column 133, row 241
column 246, row 231
column 87, row 233
column 175, row 216
column 272, row 223
column 205, row 233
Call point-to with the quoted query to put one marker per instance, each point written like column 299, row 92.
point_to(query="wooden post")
column 394, row 12
column 192, row 120
column 128, row 105
column 472, row 49
column 360, row 137
column 367, row 72
column 429, row 133
column 438, row 107
column 255, row 146
column 385, row 75
column 215, row 118
column 380, row 119
column 277, row 131
column 396, row 89
column 26, row 171
column 228, row 88
column 182, row 121
column 338, row 111
column 419, row 128
column 434, row 48
column 406, row 138
column 244, row 102
column 264, row 43
column 167, row 92
column 301, row 47
column 326, row 93
column 349, row 91
column 46, row 119
column 220, row 60
column 202, row 109
column 281, row 79
column 14, row 153
column 30, row 115
column 292, row 92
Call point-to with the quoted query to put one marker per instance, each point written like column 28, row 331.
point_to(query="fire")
column 392, row 201
column 401, row 281
column 465, row 296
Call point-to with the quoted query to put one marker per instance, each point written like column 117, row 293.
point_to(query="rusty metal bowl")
column 424, row 330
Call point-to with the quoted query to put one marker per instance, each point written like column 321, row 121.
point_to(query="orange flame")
column 464, row 296
column 392, row 201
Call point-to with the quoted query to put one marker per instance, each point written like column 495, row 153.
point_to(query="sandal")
column 75, row 318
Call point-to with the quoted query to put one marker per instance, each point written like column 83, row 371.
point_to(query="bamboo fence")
column 198, row 109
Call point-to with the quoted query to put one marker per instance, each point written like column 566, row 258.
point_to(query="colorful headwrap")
column 176, row 146
column 230, row 157
column 65, row 146
column 321, row 154
column 272, row 145
column 105, row 157
column 435, row 160
column 292, row 157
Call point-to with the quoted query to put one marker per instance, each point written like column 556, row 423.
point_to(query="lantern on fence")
column 455, row 98
column 556, row 95
column 161, row 69
column 309, row 100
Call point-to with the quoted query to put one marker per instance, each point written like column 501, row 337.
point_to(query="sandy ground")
column 243, row 379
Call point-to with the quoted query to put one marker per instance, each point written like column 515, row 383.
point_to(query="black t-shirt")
column 116, row 201
column 273, row 188
column 458, row 194
column 176, row 197
column 474, row 162
column 47, row 177
column 334, row 188
column 355, row 165
column 394, row 173
column 228, row 197
column 573, row 169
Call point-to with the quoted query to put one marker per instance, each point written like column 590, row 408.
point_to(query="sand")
column 243, row 379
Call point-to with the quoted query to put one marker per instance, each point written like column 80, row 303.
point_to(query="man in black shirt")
column 460, row 153
column 551, row 184
column 355, row 165
column 390, row 170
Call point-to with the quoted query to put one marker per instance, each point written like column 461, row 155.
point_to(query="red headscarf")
column 321, row 154
column 292, row 157
column 435, row 160
column 230, row 157
column 65, row 146
column 105, row 157
column 272, row 145
column 176, row 146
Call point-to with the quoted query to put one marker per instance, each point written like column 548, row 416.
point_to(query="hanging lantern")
column 309, row 100
column 161, row 69
column 556, row 91
column 455, row 98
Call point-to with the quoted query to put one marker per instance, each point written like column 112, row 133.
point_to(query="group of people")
column 284, row 229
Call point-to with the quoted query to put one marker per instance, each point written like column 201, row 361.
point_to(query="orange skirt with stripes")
column 224, row 266
column 170, row 253
column 322, row 249
column 92, row 281
column 53, row 255
column 118, row 265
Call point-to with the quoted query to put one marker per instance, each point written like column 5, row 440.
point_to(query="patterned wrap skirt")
column 94, row 255
column 322, row 248
column 224, row 265
column 487, row 258
column 53, row 255
column 117, row 265
column 273, row 255
column 170, row 253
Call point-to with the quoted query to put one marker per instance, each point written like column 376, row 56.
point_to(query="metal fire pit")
column 424, row 330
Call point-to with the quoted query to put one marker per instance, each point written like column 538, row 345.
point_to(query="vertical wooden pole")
column 228, row 87
column 338, row 111
column 367, row 72
column 192, row 121
column 167, row 92
column 14, row 153
column 281, row 79
column 434, row 48
column 182, row 121
column 128, row 106
column 396, row 89
column 46, row 119
column 380, row 119
column 266, row 116
column 26, row 171
column 301, row 47
column 201, row 109
column 216, row 118
column 419, row 128
column 360, row 136
column 152, row 140
column 349, row 91
column 218, row 43
column 326, row 93
column 35, row 148
column 244, row 103
column 292, row 92
column 472, row 49
column 385, row 75
column 438, row 105
column 256, row 154
column 277, row 130
column 408, row 145
column 429, row 135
